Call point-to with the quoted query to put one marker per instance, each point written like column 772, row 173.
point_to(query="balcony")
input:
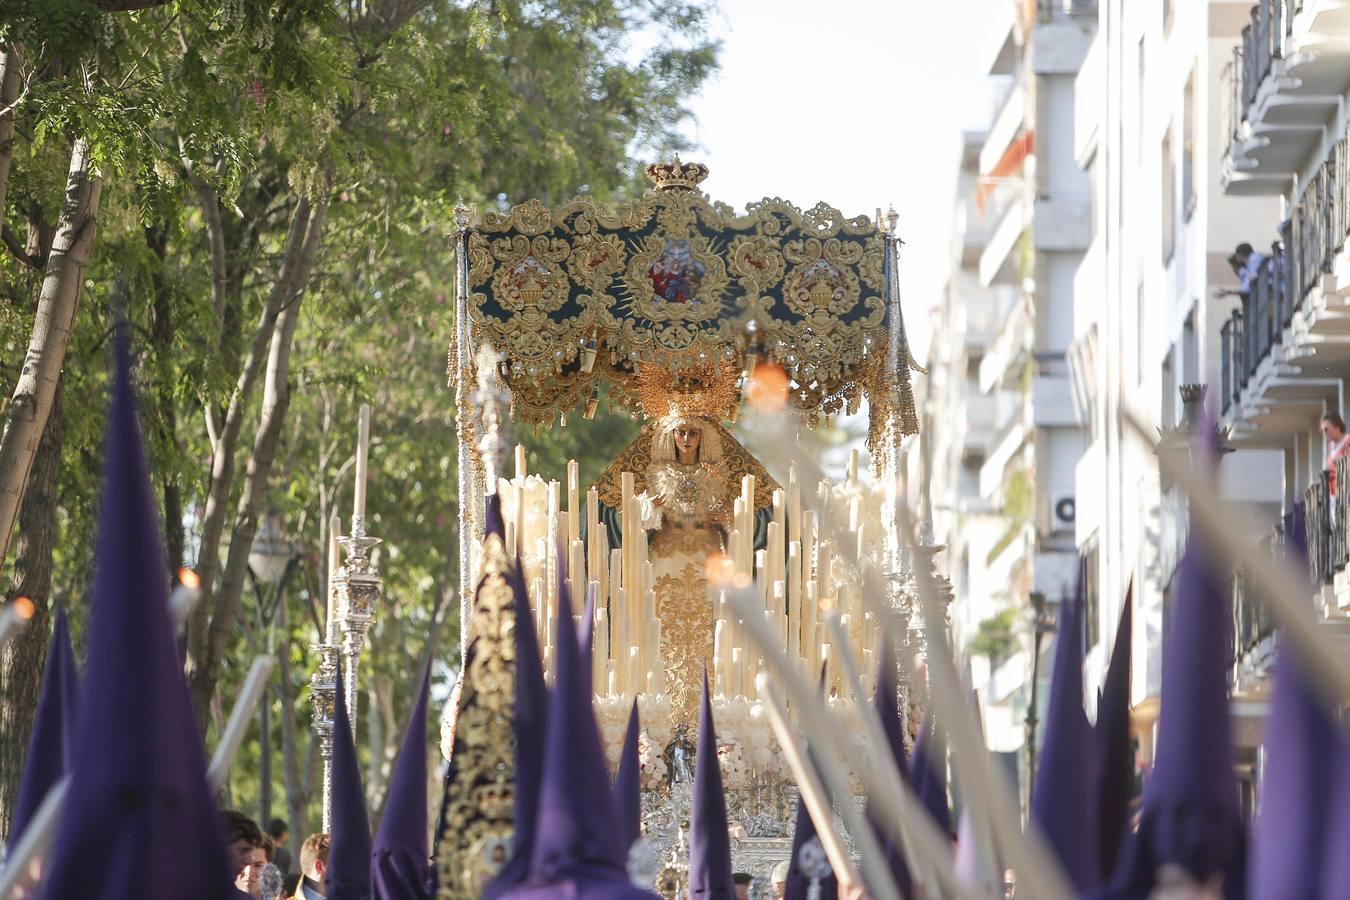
column 1253, row 626
column 1283, row 86
column 1063, row 34
column 1006, row 206
column 1295, row 320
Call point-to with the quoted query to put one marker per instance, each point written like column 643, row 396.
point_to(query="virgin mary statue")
column 687, row 471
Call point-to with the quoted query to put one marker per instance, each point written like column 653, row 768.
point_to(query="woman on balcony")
column 1333, row 429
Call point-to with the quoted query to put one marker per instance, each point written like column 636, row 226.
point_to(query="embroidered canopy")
column 576, row 299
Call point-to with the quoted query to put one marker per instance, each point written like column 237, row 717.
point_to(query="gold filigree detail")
column 481, row 783
column 674, row 279
column 686, row 616
column 691, row 541
column 709, row 391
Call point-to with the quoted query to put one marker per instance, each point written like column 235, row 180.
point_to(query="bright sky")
column 859, row 103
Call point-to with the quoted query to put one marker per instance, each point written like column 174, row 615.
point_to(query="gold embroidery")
column 481, row 785
column 691, row 541
column 686, row 638
column 675, row 280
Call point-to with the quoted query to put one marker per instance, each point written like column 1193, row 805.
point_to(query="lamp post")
column 1042, row 623
column 270, row 562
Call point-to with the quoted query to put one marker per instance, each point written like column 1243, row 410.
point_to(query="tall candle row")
column 796, row 574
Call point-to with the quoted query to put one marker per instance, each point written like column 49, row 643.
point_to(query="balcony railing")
column 1308, row 243
column 1247, row 338
column 1318, row 528
column 1253, row 625
column 1264, row 40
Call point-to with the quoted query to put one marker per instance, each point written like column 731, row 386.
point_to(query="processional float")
column 674, row 308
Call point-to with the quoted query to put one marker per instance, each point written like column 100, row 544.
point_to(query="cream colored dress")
column 683, row 534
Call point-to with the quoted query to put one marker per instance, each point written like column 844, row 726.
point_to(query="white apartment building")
column 960, row 423
column 1205, row 125
column 1004, row 456
column 1285, row 349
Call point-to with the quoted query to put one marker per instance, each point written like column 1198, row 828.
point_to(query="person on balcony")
column 1338, row 442
column 1246, row 264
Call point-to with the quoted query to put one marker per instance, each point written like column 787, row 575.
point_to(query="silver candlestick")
column 358, row 588
column 323, row 697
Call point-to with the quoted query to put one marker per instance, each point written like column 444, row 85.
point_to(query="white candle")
column 238, row 722
column 362, row 461
column 334, row 563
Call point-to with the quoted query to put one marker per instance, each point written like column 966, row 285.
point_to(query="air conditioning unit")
column 1064, row 512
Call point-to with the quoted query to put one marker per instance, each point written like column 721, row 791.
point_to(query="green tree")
column 277, row 187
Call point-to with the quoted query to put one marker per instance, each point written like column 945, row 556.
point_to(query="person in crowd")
column 1333, row 429
column 313, row 863
column 280, row 833
column 742, row 881
column 245, row 842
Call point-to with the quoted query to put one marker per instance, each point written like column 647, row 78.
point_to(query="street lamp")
column 1042, row 623
column 270, row 561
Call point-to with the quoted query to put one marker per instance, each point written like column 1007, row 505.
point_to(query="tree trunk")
column 31, row 404
column 276, row 399
column 22, row 660
column 297, row 799
column 166, row 409
column 10, row 61
column 223, row 458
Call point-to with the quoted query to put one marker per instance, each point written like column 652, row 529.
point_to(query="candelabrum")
column 358, row 586
column 323, row 696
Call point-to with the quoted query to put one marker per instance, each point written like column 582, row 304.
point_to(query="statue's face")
column 687, row 438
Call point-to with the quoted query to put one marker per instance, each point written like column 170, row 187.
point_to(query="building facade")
column 1134, row 147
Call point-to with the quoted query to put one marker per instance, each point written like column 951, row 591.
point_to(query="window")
column 1094, row 196
column 1140, row 332
column 1091, row 593
column 1188, row 150
column 1190, row 352
column 1169, row 199
column 973, row 370
column 1167, row 416
column 1139, row 111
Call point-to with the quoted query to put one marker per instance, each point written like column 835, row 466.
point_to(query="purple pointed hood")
column 400, row 858
column 928, row 771
column 1063, row 800
column 709, row 839
column 140, row 820
column 1335, row 860
column 887, row 702
column 348, row 874
column 1289, row 849
column 1114, row 751
column 1190, row 815
column 51, row 745
column 628, row 784
column 529, row 725
column 576, row 850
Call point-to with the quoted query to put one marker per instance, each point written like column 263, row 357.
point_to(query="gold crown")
column 708, row 391
column 677, row 176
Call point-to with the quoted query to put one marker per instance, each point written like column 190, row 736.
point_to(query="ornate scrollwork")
column 480, row 786
column 674, row 279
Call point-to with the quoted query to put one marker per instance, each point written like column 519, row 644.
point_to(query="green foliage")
column 260, row 103
column 995, row 637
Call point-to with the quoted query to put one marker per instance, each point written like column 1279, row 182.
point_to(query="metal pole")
column 462, row 379
column 265, row 760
